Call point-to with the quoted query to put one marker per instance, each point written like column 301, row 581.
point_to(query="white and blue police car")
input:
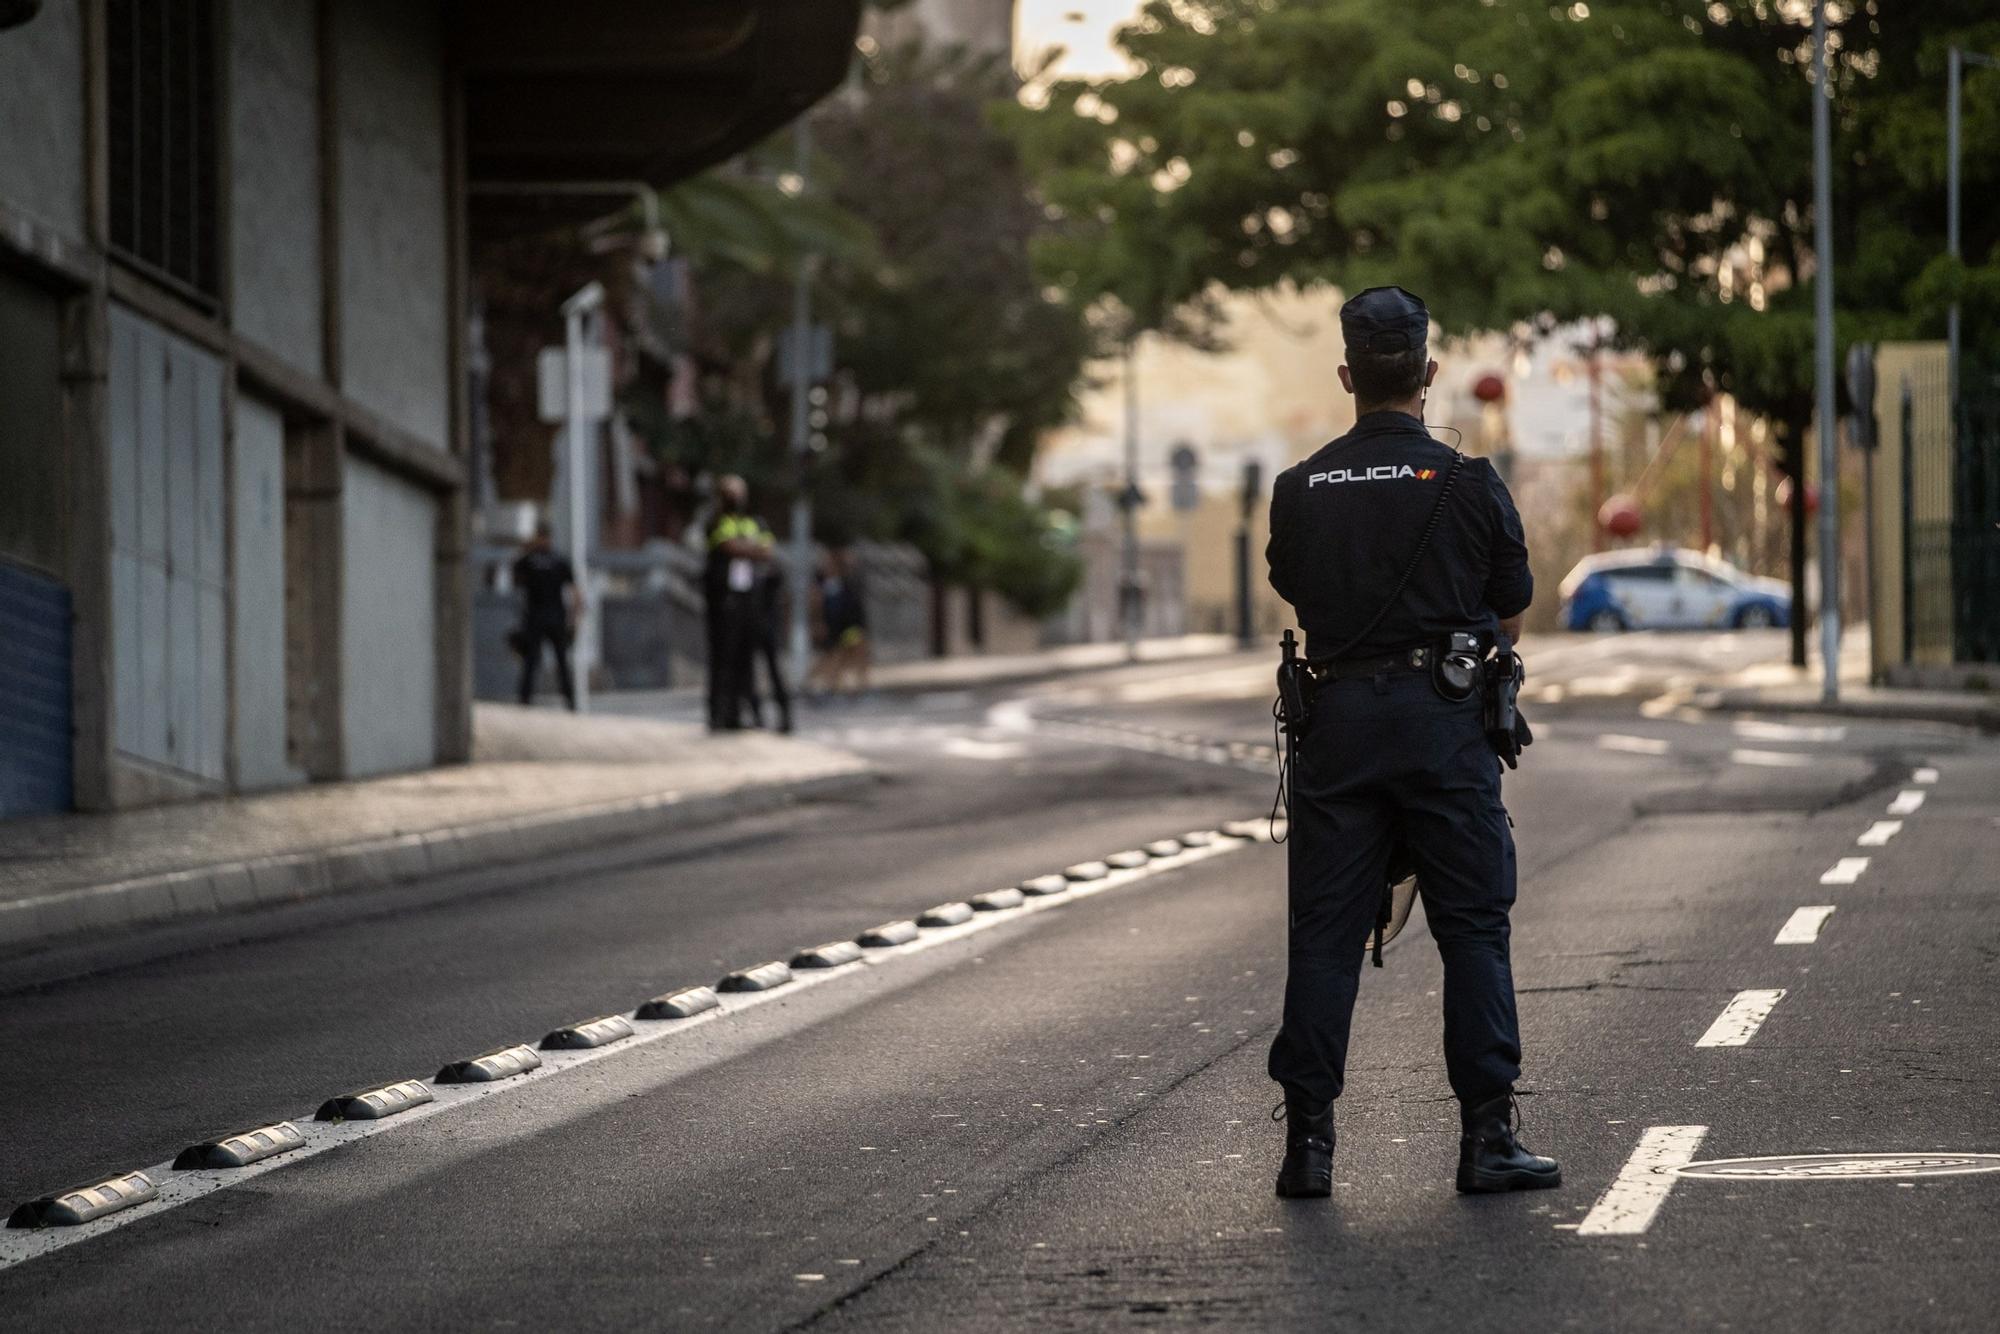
column 1668, row 589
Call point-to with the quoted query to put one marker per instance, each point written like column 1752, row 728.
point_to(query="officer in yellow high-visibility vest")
column 739, row 546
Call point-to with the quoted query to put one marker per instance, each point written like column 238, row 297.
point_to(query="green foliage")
column 1522, row 163
column 952, row 356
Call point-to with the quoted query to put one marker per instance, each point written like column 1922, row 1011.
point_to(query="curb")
column 1978, row 713
column 238, row 886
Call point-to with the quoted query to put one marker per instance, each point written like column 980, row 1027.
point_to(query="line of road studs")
column 94, row 1200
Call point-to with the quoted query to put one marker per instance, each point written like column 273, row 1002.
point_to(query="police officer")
column 1386, row 759
column 739, row 546
column 549, row 610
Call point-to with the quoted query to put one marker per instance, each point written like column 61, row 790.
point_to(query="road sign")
column 552, row 384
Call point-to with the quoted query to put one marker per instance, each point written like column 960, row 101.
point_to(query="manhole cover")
column 1844, row 1166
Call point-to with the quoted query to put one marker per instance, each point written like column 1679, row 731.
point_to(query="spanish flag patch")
column 1425, row 474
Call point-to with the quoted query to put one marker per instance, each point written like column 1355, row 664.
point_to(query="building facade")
column 233, row 278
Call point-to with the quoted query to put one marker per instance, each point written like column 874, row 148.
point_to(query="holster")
column 1506, row 730
column 1295, row 687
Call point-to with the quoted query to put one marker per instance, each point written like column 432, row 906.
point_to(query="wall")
column 41, row 78
column 388, row 610
column 257, row 599
column 394, row 263
column 274, row 179
column 34, row 493
column 1923, row 365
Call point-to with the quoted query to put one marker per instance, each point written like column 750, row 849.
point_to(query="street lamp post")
column 1128, row 575
column 579, row 456
column 1829, row 458
column 800, row 646
column 1955, row 62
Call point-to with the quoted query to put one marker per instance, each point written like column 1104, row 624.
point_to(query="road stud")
column 679, row 1004
column 242, row 1148
column 84, row 1204
column 500, row 1063
column 593, row 1033
column 376, row 1103
column 761, row 978
column 830, row 955
column 887, row 935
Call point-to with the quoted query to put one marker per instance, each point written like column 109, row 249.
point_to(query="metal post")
column 802, row 539
column 1829, row 429
column 1596, row 447
column 576, row 432
column 1128, row 579
column 1954, row 80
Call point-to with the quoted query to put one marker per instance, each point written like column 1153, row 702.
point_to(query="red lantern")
column 1489, row 388
column 1619, row 516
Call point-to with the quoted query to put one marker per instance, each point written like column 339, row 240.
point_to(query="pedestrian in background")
column 840, row 614
column 739, row 546
column 1405, row 563
column 550, row 609
column 766, row 616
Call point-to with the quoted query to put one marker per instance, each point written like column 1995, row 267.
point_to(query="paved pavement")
column 1053, row 1115
column 540, row 782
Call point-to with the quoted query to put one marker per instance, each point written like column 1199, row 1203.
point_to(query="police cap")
column 1385, row 320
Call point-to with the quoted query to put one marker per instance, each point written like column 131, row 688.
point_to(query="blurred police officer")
column 549, row 611
column 1386, row 757
column 739, row 546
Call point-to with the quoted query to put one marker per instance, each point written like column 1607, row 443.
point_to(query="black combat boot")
column 1490, row 1159
column 1307, row 1173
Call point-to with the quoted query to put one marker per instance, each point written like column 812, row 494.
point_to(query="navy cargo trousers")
column 1387, row 760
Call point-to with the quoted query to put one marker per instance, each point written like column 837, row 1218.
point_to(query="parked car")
column 1668, row 589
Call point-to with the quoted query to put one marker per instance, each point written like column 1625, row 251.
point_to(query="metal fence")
column 1975, row 523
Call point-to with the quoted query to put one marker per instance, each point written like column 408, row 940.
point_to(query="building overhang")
column 615, row 91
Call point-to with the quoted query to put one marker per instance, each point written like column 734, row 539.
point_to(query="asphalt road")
column 1057, row 1117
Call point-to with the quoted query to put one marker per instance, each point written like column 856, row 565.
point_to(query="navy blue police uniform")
column 1386, row 761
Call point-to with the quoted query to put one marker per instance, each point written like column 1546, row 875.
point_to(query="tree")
column 1523, row 163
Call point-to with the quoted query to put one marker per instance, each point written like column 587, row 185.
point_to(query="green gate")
column 1975, row 523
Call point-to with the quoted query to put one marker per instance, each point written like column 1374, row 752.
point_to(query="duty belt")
column 1352, row 669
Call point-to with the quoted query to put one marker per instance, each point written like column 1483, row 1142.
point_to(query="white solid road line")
column 1803, row 927
column 1844, row 872
column 1627, row 1208
column 1771, row 759
column 1907, row 801
column 1633, row 745
column 1741, row 1018
column 178, row 1187
column 1879, row 833
column 1751, row 730
column 1924, row 776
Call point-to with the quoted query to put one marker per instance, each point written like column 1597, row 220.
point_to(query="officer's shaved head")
column 731, row 490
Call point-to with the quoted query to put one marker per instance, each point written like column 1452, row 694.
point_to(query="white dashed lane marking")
column 1751, row 730
column 1771, row 759
column 1633, row 745
column 1844, row 872
column 1803, row 927
column 1924, row 776
column 1627, row 1208
column 1907, row 802
column 1879, row 833
column 1741, row 1018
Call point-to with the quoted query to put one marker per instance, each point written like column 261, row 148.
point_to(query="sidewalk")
column 962, row 672
column 1783, row 688
column 541, row 782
